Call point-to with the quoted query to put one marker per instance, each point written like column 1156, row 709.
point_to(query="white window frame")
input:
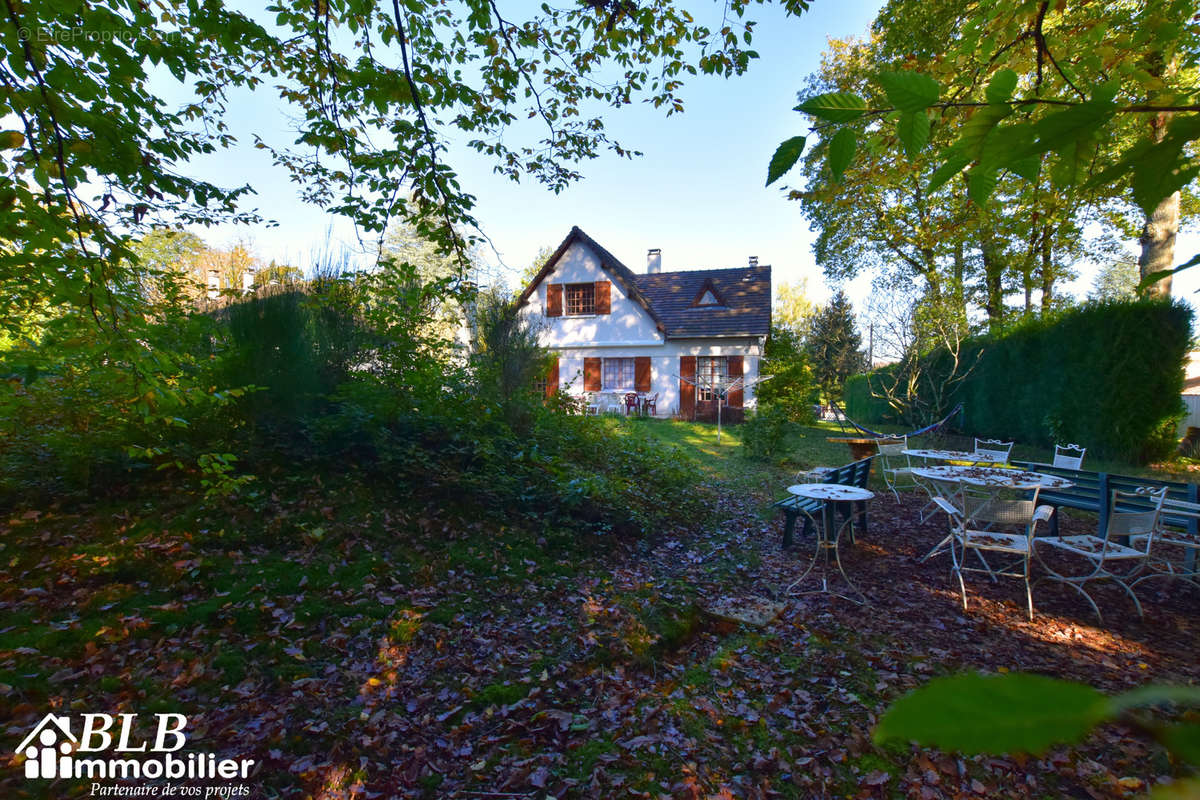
column 613, row 374
column 710, row 367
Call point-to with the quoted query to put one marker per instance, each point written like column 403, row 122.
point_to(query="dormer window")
column 581, row 298
column 708, row 297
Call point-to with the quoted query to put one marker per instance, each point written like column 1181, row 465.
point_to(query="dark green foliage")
column 1105, row 375
column 865, row 400
column 834, row 346
column 765, row 432
column 792, row 387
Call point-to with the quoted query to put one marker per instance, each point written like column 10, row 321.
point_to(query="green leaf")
column 1058, row 131
column 10, row 140
column 786, row 156
column 994, row 714
column 981, row 182
column 913, row 129
column 910, row 91
column 956, row 162
column 975, row 131
column 1159, row 173
column 841, row 152
column 1183, row 741
column 834, row 107
column 1001, row 87
column 1026, row 167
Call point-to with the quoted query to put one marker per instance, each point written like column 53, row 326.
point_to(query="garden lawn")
column 356, row 648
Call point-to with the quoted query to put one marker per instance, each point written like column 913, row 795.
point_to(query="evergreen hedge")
column 864, row 397
column 1105, row 375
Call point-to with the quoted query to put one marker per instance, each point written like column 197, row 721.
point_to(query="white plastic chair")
column 895, row 466
column 1069, row 456
column 999, row 523
column 994, row 448
column 1133, row 515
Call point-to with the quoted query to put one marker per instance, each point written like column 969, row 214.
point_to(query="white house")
column 657, row 332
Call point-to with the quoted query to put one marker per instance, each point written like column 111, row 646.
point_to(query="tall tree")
column 794, row 309
column 834, row 346
column 1032, row 92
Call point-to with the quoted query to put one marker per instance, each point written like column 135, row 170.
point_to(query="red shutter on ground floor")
column 603, row 295
column 735, row 372
column 591, row 374
column 554, row 300
column 552, row 377
column 641, row 374
column 687, row 386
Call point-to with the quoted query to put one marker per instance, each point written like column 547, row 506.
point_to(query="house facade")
column 670, row 334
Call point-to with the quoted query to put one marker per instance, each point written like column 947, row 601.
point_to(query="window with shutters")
column 580, row 298
column 711, row 371
column 618, row 375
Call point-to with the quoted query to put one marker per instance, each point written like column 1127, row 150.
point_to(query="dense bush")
column 1107, row 376
column 765, row 433
column 313, row 379
column 791, row 387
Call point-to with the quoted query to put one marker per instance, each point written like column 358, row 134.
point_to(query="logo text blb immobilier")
column 53, row 750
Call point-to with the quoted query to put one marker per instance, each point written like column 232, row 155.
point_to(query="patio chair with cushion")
column 995, row 449
column 895, row 466
column 1069, row 456
column 999, row 523
column 1121, row 554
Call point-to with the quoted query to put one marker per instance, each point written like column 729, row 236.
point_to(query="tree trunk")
column 993, row 278
column 1158, row 244
column 1047, row 273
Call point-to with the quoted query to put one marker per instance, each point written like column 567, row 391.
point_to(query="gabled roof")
column 622, row 274
column 670, row 297
column 745, row 292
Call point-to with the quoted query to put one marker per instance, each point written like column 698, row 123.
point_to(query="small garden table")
column 828, row 534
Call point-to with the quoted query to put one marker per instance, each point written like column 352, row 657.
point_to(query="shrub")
column 1106, row 375
column 765, row 433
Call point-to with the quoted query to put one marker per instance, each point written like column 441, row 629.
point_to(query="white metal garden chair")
column 1133, row 516
column 999, row 523
column 994, row 449
column 895, row 466
column 1176, row 552
column 1069, row 456
column 945, row 496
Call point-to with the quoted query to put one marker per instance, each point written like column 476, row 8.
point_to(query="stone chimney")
column 653, row 261
column 754, row 261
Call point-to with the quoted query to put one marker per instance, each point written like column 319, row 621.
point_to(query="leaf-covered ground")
column 358, row 651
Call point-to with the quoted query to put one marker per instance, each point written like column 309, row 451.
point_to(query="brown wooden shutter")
column 735, row 371
column 641, row 374
column 591, row 374
column 552, row 377
column 554, row 300
column 687, row 391
column 603, row 297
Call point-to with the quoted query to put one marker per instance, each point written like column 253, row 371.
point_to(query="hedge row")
column 1107, row 376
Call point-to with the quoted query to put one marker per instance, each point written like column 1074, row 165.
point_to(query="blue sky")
column 696, row 192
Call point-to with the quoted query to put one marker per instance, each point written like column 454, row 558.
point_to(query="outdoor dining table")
column 955, row 455
column 828, row 534
column 993, row 477
column 990, row 477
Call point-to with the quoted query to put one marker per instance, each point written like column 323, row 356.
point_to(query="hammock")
column 877, row 435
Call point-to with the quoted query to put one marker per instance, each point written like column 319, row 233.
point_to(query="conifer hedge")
column 1107, row 376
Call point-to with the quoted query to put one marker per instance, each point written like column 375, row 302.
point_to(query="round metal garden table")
column 828, row 533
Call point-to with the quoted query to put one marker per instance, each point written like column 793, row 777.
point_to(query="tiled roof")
column 669, row 297
column 744, row 293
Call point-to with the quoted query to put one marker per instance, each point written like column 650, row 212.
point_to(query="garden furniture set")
column 1147, row 528
column 627, row 403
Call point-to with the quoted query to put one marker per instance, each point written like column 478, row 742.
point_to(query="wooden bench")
column 856, row 473
column 1092, row 492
